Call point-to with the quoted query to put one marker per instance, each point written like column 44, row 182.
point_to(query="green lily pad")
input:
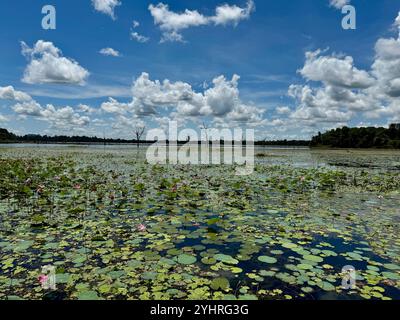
column 208, row 261
column 277, row 252
column 313, row 258
column 62, row 277
column 266, row 259
column 134, row 264
column 88, row 295
column 307, row 289
column 355, row 256
column 391, row 275
column 304, row 266
column 391, row 266
column 105, row 288
column 23, row 245
column 220, row 284
column 186, row 259
column 324, row 285
column 226, row 259
column 248, row 297
column 289, row 245
column 14, row 298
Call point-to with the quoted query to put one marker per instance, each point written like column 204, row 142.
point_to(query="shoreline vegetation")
column 341, row 138
column 359, row 138
column 7, row 137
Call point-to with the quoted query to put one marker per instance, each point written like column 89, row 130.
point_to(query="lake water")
column 115, row 227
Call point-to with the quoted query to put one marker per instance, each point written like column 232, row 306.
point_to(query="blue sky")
column 264, row 42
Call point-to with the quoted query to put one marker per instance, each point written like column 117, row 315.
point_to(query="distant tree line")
column 67, row 139
column 338, row 138
column 359, row 138
column 8, row 137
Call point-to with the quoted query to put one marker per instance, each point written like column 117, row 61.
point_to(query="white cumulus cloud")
column 9, row 93
column 47, row 65
column 220, row 102
column 226, row 14
column 172, row 23
column 110, row 52
column 139, row 38
column 335, row 71
column 386, row 67
column 397, row 21
column 106, row 6
column 59, row 118
column 340, row 92
column 113, row 106
column 282, row 110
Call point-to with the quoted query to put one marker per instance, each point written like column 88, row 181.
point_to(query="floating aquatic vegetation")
column 114, row 227
column 266, row 259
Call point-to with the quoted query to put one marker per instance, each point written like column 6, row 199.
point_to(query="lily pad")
column 313, row 258
column 186, row 259
column 391, row 266
column 267, row 259
column 226, row 259
column 88, row 295
column 327, row 286
column 391, row 275
column 220, row 284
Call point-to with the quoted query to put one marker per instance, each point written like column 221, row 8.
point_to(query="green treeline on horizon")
column 370, row 137
column 345, row 137
column 8, row 137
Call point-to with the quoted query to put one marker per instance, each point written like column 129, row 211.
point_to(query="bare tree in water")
column 139, row 131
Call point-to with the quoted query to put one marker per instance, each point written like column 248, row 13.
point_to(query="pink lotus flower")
column 77, row 187
column 43, row 279
column 141, row 228
column 302, row 179
column 57, row 178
